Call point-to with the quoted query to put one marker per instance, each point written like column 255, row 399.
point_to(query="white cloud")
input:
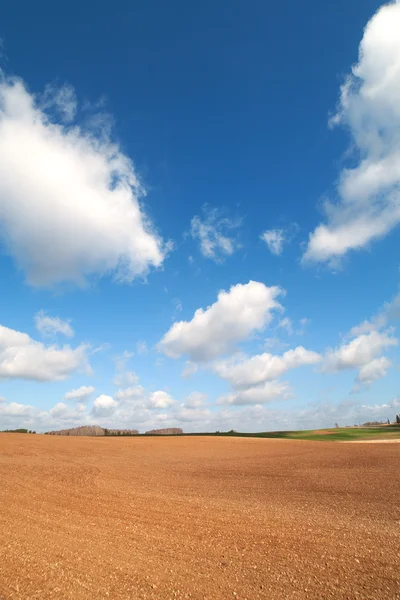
column 215, row 234
column 216, row 330
column 359, row 352
column 275, row 239
column 104, row 405
column 62, row 99
column 69, row 205
column 122, row 359
column 264, row 367
column 21, row 357
column 362, row 353
column 303, row 325
column 368, row 207
column 161, row 399
column 14, row 409
column 81, row 394
column 253, row 417
column 376, row 369
column 189, row 415
column 195, row 400
column 368, row 326
column 141, row 348
column 133, row 394
column 189, row 369
column 2, row 399
column 63, row 412
column 390, row 311
column 286, row 323
column 50, row 326
column 126, row 378
column 267, row 392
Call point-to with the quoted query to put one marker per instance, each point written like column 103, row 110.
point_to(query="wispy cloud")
column 216, row 234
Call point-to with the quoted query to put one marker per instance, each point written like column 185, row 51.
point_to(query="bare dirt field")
column 192, row 517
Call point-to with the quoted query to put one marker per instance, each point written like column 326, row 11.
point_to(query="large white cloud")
column 231, row 319
column 263, row 367
column 368, row 206
column 21, row 357
column 69, row 198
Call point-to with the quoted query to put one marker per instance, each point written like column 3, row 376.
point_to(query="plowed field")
column 216, row 518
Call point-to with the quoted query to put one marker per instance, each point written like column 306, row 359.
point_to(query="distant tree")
column 337, row 425
column 398, row 419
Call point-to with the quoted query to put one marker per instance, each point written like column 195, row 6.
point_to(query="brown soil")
column 215, row 518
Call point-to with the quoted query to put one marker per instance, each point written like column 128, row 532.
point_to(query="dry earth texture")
column 216, row 518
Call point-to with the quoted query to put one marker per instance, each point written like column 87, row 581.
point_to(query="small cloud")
column 50, row 326
column 286, row 323
column 80, row 394
column 122, row 359
column 189, row 369
column 275, row 239
column 195, row 400
column 161, row 399
column 215, row 233
column 126, row 378
column 104, row 406
column 141, row 348
column 303, row 325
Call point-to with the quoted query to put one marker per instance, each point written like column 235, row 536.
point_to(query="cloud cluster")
column 232, row 318
column 21, row 357
column 69, row 198
column 368, row 205
column 254, row 417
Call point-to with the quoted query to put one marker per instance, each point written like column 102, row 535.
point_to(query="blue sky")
column 238, row 160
